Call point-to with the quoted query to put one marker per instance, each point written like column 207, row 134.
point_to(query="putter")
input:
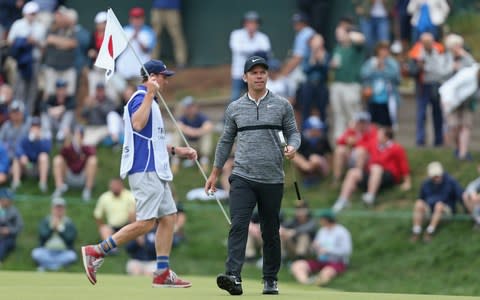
column 283, row 142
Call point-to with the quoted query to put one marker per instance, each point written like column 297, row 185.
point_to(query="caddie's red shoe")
column 169, row 279
column 92, row 260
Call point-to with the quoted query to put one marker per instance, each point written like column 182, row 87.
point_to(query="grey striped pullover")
column 258, row 154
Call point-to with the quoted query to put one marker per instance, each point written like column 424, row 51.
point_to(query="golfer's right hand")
column 210, row 184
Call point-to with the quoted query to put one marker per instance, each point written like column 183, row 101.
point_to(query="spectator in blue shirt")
column 313, row 93
column 197, row 129
column 9, row 12
column 312, row 156
column 300, row 44
column 381, row 76
column 14, row 128
column 11, row 223
column 4, row 164
column 32, row 156
column 438, row 197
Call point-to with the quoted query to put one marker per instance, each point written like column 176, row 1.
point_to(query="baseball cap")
column 71, row 14
column 30, row 8
column 58, row 201
column 136, row 12
column 156, row 67
column 62, row 9
column 251, row 16
column 327, row 214
column 313, row 122
column 61, row 83
column 187, row 101
column 6, row 194
column 434, row 169
column 299, row 17
column 17, row 105
column 100, row 17
column 35, row 121
column 254, row 61
column 361, row 116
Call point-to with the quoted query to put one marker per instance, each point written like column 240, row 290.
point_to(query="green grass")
column 383, row 260
column 27, row 285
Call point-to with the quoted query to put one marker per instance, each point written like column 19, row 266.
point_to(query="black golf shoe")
column 230, row 283
column 270, row 287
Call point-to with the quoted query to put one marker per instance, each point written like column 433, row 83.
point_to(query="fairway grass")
column 72, row 286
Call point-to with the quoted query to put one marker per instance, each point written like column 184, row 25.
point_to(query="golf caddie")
column 257, row 177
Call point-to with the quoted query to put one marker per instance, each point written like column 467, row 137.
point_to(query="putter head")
column 283, row 142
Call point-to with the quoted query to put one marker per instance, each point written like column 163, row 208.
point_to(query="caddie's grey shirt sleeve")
column 225, row 144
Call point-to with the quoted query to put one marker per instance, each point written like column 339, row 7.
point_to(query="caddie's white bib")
column 157, row 145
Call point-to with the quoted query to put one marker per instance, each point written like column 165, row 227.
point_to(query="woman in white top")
column 332, row 247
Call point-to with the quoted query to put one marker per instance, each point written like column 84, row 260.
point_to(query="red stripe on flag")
column 110, row 46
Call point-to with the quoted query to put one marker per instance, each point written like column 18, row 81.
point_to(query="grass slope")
column 383, row 260
column 75, row 286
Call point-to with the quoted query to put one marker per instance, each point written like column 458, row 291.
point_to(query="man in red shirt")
column 388, row 165
column 76, row 165
column 353, row 145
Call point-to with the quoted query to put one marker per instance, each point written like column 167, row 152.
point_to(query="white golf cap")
column 100, row 17
column 71, row 14
column 434, row 169
column 58, row 201
column 30, row 8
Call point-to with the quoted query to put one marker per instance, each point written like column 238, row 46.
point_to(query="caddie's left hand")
column 289, row 152
column 186, row 152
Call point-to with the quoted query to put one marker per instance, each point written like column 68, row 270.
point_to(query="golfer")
column 145, row 159
column 257, row 176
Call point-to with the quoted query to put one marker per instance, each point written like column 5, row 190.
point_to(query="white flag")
column 459, row 88
column 114, row 42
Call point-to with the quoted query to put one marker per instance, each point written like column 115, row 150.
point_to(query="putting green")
column 72, row 286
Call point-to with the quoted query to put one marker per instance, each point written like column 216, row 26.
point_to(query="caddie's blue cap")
column 6, row 194
column 254, row 61
column 156, row 67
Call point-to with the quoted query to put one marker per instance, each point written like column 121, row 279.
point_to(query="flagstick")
column 177, row 127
